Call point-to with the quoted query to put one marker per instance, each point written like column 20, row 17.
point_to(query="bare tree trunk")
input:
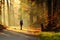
column 0, row 11
column 51, row 14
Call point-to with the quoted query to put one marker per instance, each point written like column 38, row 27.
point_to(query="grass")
column 49, row 36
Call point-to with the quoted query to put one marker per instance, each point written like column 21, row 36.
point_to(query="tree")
column 52, row 15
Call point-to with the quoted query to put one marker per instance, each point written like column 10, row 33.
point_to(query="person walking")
column 21, row 24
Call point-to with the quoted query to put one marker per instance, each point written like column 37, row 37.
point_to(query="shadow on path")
column 11, row 35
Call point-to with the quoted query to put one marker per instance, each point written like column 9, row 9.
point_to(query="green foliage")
column 45, row 36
